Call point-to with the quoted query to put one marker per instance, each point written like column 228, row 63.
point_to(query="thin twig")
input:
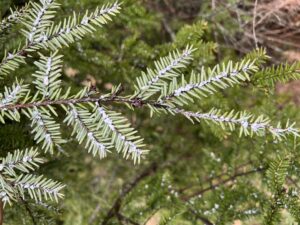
column 211, row 179
column 94, row 214
column 168, row 28
column 222, row 182
column 126, row 219
column 254, row 24
column 114, row 210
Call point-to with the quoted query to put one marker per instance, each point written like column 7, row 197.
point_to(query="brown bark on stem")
column 1, row 212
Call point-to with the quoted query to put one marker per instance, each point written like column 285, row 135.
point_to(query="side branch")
column 69, row 102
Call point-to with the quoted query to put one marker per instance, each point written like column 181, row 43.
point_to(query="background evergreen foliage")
column 205, row 173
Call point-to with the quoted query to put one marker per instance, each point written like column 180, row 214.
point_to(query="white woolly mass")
column 105, row 117
column 33, row 186
column 38, row 19
column 4, row 196
column 243, row 121
column 202, row 84
column 132, row 148
column 186, row 53
column 90, row 135
column 10, row 96
column 46, row 76
column 85, row 21
column 108, row 10
column 48, row 65
column 100, row 147
column 280, row 131
column 74, row 113
column 38, row 120
column 256, row 126
column 10, row 56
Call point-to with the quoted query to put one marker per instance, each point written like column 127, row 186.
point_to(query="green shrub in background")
column 239, row 163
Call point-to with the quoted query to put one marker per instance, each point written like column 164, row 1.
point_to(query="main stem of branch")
column 134, row 102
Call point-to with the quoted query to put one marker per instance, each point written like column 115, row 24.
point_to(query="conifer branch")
column 38, row 187
column 46, row 130
column 81, row 120
column 24, row 161
column 206, row 82
column 165, row 69
column 39, row 18
column 47, row 77
column 13, row 94
column 65, row 32
column 74, row 100
column 14, row 186
column 57, row 36
column 12, row 60
column 249, row 125
column 100, row 128
column 14, row 17
column 6, row 191
column 282, row 73
column 276, row 175
column 123, row 137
